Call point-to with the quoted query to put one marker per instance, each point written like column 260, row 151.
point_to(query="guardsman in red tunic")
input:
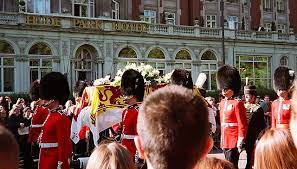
column 39, row 115
column 55, row 144
column 281, row 108
column 232, row 114
column 132, row 86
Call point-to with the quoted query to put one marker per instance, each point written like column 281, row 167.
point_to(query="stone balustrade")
column 109, row 25
column 9, row 19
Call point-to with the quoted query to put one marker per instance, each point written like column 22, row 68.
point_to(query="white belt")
column 229, row 124
column 128, row 137
column 36, row 125
column 48, row 145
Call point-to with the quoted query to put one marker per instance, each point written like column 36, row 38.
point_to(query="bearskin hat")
column 182, row 77
column 54, row 86
column 283, row 78
column 132, row 84
column 79, row 88
column 228, row 77
column 34, row 90
column 250, row 89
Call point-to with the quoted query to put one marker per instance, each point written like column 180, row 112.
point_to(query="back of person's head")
column 8, row 150
column 173, row 128
column 34, row 90
column 276, row 150
column 182, row 77
column 293, row 122
column 110, row 156
column 214, row 163
column 132, row 84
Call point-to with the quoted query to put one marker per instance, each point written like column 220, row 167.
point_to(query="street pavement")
column 242, row 158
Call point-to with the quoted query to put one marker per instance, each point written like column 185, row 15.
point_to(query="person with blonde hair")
column 276, row 150
column 214, row 163
column 110, row 156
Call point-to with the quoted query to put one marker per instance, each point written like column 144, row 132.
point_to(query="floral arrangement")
column 102, row 81
column 150, row 74
column 166, row 78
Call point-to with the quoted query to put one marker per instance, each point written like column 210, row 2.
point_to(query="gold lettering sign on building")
column 87, row 24
column 129, row 27
column 43, row 20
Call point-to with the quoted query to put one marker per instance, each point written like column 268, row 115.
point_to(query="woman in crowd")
column 3, row 116
column 110, row 156
column 276, row 150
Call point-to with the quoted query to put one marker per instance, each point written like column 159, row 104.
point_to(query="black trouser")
column 232, row 155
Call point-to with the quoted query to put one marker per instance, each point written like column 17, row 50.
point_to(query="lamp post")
column 223, row 28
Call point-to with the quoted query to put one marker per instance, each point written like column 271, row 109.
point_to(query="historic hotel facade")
column 88, row 43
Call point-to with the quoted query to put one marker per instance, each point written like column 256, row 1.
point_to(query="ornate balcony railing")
column 64, row 23
column 9, row 19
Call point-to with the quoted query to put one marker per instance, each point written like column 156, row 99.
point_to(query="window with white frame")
column 156, row 58
column 209, row 66
column 83, row 8
column 267, row 27
column 115, row 10
column 183, row 60
column 149, row 16
column 280, row 6
column 41, row 61
column 232, row 22
column 256, row 68
column 267, row 5
column 126, row 56
column 170, row 15
column 211, row 21
column 7, row 66
column 284, row 61
column 85, row 67
column 281, row 28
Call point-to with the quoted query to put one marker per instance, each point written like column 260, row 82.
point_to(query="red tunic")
column 55, row 130
column 233, row 122
column 280, row 113
column 37, row 121
column 129, row 122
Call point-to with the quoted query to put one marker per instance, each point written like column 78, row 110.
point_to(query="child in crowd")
column 110, row 156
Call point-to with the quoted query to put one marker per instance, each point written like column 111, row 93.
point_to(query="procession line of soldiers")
column 241, row 123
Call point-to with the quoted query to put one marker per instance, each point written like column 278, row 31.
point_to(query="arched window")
column 209, row 66
column 127, row 55
column 156, row 53
column 41, row 60
column 40, row 49
column 208, row 55
column 183, row 60
column 156, row 58
column 6, row 67
column 84, row 62
column 284, row 61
